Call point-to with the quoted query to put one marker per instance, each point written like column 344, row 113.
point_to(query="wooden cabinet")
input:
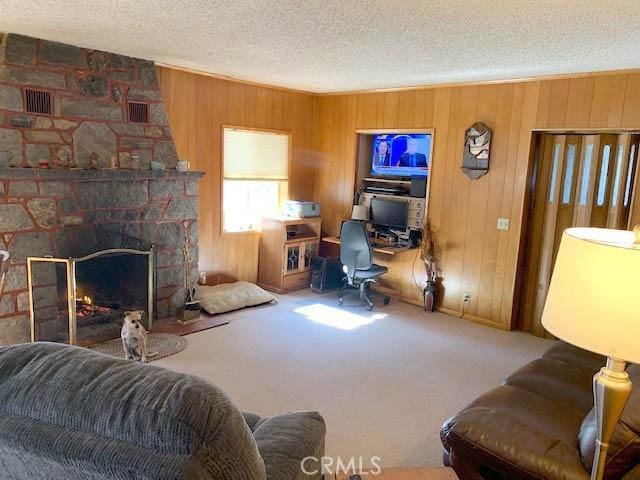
column 287, row 246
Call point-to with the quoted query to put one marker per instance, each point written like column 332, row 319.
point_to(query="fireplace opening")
column 107, row 283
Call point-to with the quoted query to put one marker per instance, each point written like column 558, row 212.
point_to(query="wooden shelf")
column 284, row 264
column 306, row 238
column 386, row 180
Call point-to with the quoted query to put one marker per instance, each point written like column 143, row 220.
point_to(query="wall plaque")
column 477, row 143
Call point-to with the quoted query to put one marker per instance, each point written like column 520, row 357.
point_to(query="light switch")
column 503, row 223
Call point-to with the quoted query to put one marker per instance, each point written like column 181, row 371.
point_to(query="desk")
column 406, row 275
column 390, row 250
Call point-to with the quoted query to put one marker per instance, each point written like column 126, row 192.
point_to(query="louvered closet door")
column 578, row 180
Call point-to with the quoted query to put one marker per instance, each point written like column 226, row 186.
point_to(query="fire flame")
column 87, row 300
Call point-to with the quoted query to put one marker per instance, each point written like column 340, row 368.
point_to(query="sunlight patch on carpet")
column 337, row 317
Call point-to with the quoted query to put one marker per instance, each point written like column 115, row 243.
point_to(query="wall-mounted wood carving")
column 477, row 144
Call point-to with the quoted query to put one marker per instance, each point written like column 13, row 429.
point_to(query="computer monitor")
column 389, row 213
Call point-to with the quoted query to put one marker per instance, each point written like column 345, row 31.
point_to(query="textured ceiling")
column 328, row 46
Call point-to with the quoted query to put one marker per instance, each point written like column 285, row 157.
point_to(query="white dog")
column 134, row 336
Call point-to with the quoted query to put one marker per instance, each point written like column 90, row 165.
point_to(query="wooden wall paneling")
column 530, row 100
column 380, row 101
column 197, row 107
column 457, row 234
column 419, row 107
column 617, row 100
column 477, row 244
column 450, row 283
column 493, row 236
column 601, row 101
column 506, row 203
column 579, row 102
column 559, row 96
column 542, row 117
column 631, row 109
column 205, row 161
column 391, row 109
column 429, row 109
column 441, row 175
column 406, row 108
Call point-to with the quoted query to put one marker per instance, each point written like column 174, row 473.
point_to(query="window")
column 617, row 179
column 256, row 165
column 568, row 174
column 604, row 175
column 554, row 171
column 586, row 173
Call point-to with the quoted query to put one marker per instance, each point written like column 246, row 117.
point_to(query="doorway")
column 577, row 180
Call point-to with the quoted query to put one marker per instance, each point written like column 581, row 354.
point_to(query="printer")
column 301, row 209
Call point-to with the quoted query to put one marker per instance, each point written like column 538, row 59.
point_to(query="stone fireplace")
column 79, row 132
column 93, row 292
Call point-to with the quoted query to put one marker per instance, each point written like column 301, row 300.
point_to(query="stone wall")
column 79, row 180
column 67, row 213
column 89, row 125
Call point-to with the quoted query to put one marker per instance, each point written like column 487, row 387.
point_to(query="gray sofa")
column 67, row 412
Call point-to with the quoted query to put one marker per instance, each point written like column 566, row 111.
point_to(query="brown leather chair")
column 540, row 425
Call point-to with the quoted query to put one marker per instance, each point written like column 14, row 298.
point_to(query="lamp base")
column 611, row 390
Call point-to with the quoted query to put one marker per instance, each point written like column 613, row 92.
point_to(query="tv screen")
column 389, row 213
column 401, row 155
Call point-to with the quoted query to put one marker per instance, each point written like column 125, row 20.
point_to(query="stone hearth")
column 78, row 179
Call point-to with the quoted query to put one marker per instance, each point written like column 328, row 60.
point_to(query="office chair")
column 356, row 256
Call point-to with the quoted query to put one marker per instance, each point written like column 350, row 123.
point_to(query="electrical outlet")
column 466, row 297
column 503, row 224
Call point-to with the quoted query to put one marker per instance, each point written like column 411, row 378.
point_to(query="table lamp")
column 593, row 304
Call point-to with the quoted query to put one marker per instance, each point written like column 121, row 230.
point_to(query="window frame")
column 284, row 195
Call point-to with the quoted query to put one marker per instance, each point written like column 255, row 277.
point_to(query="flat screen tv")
column 401, row 155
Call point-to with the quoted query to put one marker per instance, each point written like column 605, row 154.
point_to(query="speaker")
column 326, row 274
column 418, row 187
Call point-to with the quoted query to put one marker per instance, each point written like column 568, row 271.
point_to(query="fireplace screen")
column 81, row 301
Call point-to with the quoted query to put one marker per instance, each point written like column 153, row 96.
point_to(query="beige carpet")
column 385, row 380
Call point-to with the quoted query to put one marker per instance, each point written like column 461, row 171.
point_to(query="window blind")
column 255, row 155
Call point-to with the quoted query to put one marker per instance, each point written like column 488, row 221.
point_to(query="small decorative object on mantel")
column 182, row 166
column 428, row 257
column 135, row 162
column 157, row 166
column 477, row 145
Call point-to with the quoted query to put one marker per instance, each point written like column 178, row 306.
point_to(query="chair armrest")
column 284, row 441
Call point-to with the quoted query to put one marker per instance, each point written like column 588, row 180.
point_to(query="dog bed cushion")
column 231, row 296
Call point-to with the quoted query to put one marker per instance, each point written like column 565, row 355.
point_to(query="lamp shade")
column 593, row 299
column 360, row 212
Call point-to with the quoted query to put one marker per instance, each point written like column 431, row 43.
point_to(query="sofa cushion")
column 286, row 440
column 624, row 446
column 563, row 382
column 103, row 397
column 575, row 356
